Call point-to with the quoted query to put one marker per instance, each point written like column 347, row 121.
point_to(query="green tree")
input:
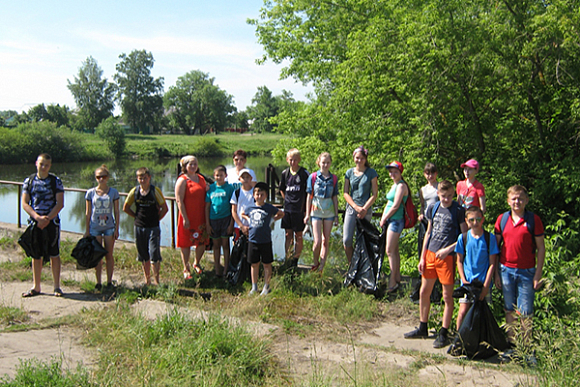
column 113, row 135
column 140, row 95
column 93, row 94
column 264, row 107
column 196, row 105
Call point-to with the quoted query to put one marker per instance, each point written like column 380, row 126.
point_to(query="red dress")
column 194, row 202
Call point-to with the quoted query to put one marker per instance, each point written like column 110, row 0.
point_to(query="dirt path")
column 379, row 349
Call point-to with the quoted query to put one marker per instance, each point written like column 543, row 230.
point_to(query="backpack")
column 453, row 214
column 410, row 211
column 313, row 176
column 486, row 236
column 530, row 220
column 52, row 182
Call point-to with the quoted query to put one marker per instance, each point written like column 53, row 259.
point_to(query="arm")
column 163, row 210
column 116, row 213
column 540, row 259
column 238, row 220
column 372, row 198
column 460, row 269
column 308, row 208
column 422, row 203
column 497, row 280
column 279, row 215
column 489, row 276
column 421, row 265
column 482, row 203
column 127, row 205
column 207, row 223
column 347, row 197
column 335, row 202
column 88, row 213
column 180, row 187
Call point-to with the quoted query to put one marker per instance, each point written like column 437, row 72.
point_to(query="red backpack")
column 410, row 211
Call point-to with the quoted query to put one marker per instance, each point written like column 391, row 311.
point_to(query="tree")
column 264, row 107
column 53, row 113
column 93, row 94
column 113, row 135
column 140, row 95
column 197, row 105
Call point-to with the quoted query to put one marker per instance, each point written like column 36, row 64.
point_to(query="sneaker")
column 252, row 292
column 265, row 291
column 98, row 287
column 441, row 341
column 416, row 334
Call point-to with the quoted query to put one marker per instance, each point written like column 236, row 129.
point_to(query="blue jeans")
column 396, row 225
column 518, row 289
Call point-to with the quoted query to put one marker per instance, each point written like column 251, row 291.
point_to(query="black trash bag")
column 367, row 260
column 471, row 290
column 479, row 336
column 88, row 252
column 239, row 268
column 436, row 293
column 30, row 241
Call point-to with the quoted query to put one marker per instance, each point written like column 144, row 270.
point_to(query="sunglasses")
column 473, row 220
column 101, row 176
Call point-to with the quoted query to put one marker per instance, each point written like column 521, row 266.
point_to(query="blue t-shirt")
column 260, row 217
column 102, row 209
column 219, row 197
column 42, row 198
column 361, row 186
column 475, row 256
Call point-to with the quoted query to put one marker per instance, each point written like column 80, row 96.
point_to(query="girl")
column 393, row 219
column 427, row 196
column 360, row 192
column 322, row 208
column 102, row 220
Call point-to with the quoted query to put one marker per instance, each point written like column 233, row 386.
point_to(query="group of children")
column 452, row 231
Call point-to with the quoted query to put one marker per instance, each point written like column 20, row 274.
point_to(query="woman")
column 102, row 220
column 427, row 196
column 360, row 192
column 393, row 220
column 190, row 190
column 321, row 208
column 239, row 159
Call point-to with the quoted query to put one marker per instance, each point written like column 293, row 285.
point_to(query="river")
column 81, row 175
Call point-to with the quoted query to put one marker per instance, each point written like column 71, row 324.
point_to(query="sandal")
column 58, row 292
column 393, row 288
column 30, row 293
column 187, row 275
column 197, row 269
column 315, row 267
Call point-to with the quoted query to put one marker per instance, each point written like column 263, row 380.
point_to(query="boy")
column 521, row 260
column 293, row 190
column 242, row 198
column 43, row 199
column 150, row 208
column 218, row 217
column 470, row 192
column 446, row 220
column 239, row 159
column 260, row 236
column 476, row 259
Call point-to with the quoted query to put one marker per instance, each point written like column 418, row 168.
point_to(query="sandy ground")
column 381, row 347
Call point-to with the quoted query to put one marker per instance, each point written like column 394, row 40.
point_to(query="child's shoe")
column 265, row 290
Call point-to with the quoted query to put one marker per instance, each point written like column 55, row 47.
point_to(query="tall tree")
column 140, row 95
column 196, row 105
column 264, row 107
column 93, row 94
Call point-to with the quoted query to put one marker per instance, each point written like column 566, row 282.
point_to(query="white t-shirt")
column 246, row 199
column 234, row 178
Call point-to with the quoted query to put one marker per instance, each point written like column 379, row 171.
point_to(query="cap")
column 245, row 170
column 395, row 164
column 471, row 163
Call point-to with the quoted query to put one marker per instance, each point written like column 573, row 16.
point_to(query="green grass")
column 48, row 374
column 10, row 315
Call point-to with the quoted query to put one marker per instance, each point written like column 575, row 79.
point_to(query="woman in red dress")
column 190, row 190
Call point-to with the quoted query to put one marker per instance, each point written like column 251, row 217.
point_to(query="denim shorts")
column 396, row 225
column 518, row 289
column 107, row 232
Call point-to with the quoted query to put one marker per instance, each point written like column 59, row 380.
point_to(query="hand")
column 537, row 283
column 484, row 292
column 186, row 224
column 306, row 219
column 441, row 253
column 86, row 234
column 362, row 213
column 498, row 281
column 208, row 229
column 336, row 220
column 42, row 221
column 421, row 266
column 116, row 234
column 245, row 229
column 420, row 218
column 230, row 230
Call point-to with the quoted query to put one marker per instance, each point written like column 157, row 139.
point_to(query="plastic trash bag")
column 479, row 336
column 367, row 260
column 239, row 268
column 30, row 242
column 88, row 252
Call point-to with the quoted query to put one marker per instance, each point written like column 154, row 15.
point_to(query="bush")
column 113, row 135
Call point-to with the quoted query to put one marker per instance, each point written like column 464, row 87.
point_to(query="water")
column 81, row 175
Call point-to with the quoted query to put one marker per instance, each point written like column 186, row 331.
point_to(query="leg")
column 156, row 268
column 37, row 273
column 317, row 226
column 216, row 257
column 425, row 298
column 289, row 244
column 199, row 250
column 267, row 273
column 448, row 309
column 348, row 232
column 255, row 272
column 298, row 245
column 147, row 272
column 185, row 259
column 55, row 266
column 226, row 250
column 326, row 229
column 394, row 258
column 99, row 267
column 463, row 309
column 110, row 262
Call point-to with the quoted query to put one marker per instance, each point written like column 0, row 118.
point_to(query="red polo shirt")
column 518, row 248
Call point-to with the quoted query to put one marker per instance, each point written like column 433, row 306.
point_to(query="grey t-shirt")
column 102, row 209
column 446, row 225
column 360, row 186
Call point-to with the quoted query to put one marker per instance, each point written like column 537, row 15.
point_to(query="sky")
column 43, row 44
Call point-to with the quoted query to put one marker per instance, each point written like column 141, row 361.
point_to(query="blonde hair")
column 321, row 156
column 517, row 189
column 292, row 152
column 102, row 168
column 185, row 160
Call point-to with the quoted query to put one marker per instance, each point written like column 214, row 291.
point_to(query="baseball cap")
column 395, row 164
column 471, row 163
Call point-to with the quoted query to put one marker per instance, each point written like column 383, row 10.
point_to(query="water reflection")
column 122, row 177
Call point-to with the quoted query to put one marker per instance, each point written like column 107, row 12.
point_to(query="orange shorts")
column 444, row 269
